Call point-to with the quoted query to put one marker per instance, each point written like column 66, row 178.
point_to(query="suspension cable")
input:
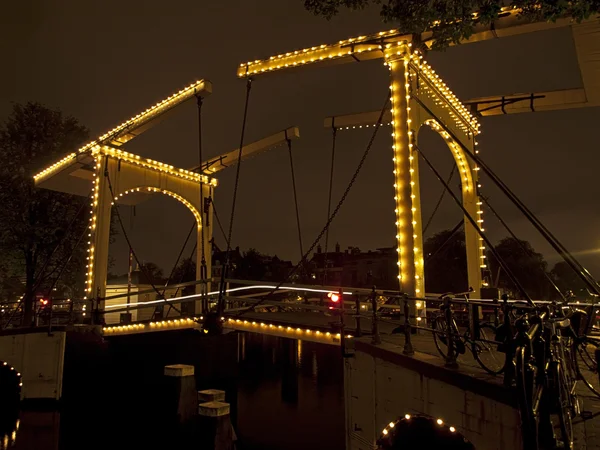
column 218, row 220
column 142, row 268
column 175, row 267
column 183, row 274
column 472, row 221
column 335, row 211
column 331, row 170
column 525, row 250
column 439, row 202
column 289, row 145
column 235, row 190
column 560, row 249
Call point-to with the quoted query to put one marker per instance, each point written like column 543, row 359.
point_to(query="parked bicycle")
column 545, row 379
column 451, row 342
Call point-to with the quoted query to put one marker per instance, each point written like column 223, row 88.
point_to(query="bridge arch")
column 119, row 176
column 474, row 244
column 149, row 189
column 11, row 384
column 419, row 97
column 414, row 431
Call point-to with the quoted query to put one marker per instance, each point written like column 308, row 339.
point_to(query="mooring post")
column 215, row 431
column 408, row 348
column 181, row 392
column 376, row 339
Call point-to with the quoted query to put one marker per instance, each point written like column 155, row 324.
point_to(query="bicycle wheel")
column 486, row 353
column 524, row 388
column 585, row 364
column 563, row 406
column 571, row 377
column 440, row 335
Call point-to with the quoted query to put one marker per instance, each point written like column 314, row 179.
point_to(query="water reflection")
column 284, row 394
column 290, row 394
column 31, row 430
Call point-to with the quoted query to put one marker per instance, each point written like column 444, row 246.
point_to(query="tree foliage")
column 184, row 272
column 152, row 273
column 527, row 265
column 446, row 262
column 567, row 280
column 453, row 20
column 36, row 221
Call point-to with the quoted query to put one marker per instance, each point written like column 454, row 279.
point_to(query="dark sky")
column 102, row 62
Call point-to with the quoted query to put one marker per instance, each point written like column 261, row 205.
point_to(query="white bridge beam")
column 226, row 160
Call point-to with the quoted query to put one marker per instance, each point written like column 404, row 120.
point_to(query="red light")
column 43, row 301
column 334, row 297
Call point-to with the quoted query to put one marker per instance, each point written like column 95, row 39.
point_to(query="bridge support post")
column 406, row 224
column 97, row 257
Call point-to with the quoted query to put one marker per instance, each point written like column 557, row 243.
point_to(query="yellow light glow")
column 136, row 120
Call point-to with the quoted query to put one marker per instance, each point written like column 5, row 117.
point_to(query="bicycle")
column 545, row 388
column 584, row 350
column 483, row 346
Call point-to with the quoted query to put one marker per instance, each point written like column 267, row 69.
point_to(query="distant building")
column 219, row 258
column 354, row 268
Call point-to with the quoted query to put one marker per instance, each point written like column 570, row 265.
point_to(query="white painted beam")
column 221, row 162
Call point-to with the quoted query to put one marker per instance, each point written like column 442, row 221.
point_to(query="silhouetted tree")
column 567, row 280
column 446, row 262
column 452, row 20
column 35, row 221
column 184, row 272
column 252, row 266
column 527, row 265
column 152, row 273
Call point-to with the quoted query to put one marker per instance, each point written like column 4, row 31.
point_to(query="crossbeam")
column 132, row 127
column 226, row 160
column 481, row 106
column 367, row 47
column 145, row 120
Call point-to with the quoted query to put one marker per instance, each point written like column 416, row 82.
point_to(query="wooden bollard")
column 211, row 395
column 181, row 392
column 214, row 422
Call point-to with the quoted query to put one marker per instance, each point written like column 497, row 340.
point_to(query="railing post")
column 496, row 313
column 342, row 323
column 357, row 318
column 509, row 344
column 376, row 339
column 451, row 356
column 408, row 348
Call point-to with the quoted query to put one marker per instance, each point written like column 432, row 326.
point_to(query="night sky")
column 102, row 62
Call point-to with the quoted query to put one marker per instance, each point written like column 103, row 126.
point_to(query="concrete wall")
column 382, row 385
column 40, row 359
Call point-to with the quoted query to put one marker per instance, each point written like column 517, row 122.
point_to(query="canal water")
column 284, row 394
